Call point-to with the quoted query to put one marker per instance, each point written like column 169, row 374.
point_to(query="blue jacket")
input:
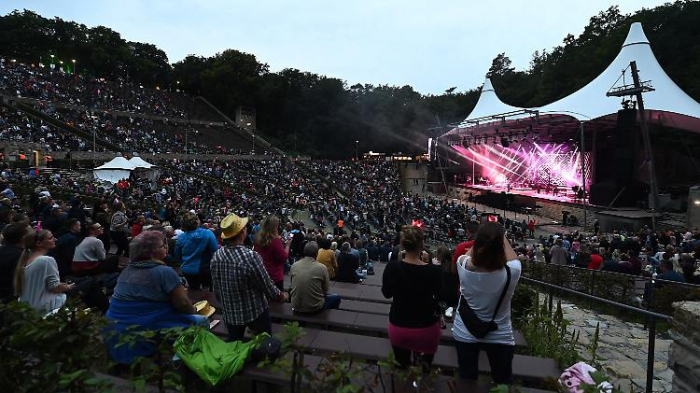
column 194, row 249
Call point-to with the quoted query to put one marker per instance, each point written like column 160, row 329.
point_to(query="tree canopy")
column 322, row 116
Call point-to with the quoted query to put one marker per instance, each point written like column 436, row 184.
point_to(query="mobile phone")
column 213, row 323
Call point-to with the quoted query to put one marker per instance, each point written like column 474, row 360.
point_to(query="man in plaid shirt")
column 241, row 282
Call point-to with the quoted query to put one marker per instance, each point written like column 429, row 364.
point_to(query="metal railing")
column 652, row 318
column 634, row 290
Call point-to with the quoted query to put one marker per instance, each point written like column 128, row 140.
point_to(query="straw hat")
column 204, row 308
column 232, row 225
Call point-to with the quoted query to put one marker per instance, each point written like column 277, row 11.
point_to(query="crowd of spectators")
column 54, row 84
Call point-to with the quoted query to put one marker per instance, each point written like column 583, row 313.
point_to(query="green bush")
column 56, row 353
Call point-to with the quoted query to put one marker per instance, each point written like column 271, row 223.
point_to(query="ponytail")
column 19, row 270
column 29, row 247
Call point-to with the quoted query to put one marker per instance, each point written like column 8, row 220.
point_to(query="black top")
column 416, row 290
column 347, row 268
column 9, row 256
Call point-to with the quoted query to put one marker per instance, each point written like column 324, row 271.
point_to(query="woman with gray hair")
column 148, row 295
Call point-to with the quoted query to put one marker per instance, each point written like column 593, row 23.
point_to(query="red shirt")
column 462, row 249
column 274, row 256
column 596, row 261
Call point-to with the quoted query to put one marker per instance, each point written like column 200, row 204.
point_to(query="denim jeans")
column 332, row 301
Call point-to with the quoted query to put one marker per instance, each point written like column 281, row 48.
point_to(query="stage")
column 529, row 192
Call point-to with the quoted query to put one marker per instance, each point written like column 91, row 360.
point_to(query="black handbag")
column 269, row 348
column 472, row 322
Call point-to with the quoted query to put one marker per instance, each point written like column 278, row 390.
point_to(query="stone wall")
column 684, row 358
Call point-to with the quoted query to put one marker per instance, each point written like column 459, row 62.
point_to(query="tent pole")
column 653, row 186
column 583, row 175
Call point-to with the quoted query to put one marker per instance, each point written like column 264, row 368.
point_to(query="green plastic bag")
column 213, row 359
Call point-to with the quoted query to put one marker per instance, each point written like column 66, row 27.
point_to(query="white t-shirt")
column 40, row 277
column 482, row 291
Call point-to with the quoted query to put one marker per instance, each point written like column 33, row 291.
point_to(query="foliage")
column 56, row 353
column 158, row 370
column 546, row 334
column 523, row 302
column 600, row 384
column 99, row 51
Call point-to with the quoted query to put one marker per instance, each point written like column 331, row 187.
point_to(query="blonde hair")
column 30, row 242
column 268, row 231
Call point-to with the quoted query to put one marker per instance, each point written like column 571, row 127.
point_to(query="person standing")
column 119, row 229
column 194, row 249
column 100, row 215
column 241, row 282
column 310, row 283
column 487, row 273
column 273, row 252
column 415, row 286
column 559, row 254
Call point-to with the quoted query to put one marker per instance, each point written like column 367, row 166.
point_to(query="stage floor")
column 525, row 192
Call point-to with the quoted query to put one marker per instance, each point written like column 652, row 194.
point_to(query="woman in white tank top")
column 482, row 277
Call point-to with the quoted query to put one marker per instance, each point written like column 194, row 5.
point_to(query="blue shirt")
column 671, row 275
column 153, row 283
column 193, row 248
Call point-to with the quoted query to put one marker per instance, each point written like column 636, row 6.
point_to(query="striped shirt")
column 241, row 283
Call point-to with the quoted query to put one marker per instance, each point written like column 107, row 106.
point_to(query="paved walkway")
column 622, row 348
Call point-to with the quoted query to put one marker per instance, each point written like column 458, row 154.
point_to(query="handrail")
column 652, row 316
column 627, row 307
column 619, row 274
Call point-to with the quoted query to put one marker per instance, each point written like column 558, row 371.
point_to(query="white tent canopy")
column 138, row 162
column 667, row 104
column 113, row 171
column 488, row 105
column 590, row 102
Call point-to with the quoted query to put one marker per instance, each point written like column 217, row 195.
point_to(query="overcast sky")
column 430, row 45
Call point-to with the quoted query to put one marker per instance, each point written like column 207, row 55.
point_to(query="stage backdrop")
column 528, row 163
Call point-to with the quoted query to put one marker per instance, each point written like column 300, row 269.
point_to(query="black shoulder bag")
column 472, row 322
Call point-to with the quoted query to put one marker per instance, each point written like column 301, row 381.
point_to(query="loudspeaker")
column 615, row 164
column 630, row 195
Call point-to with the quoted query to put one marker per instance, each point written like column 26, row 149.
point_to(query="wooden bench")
column 355, row 321
column 375, row 348
column 321, row 342
column 372, row 323
column 442, row 384
column 365, row 307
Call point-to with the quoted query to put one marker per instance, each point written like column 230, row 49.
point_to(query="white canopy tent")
column 144, row 169
column 138, row 162
column 488, row 105
column 113, row 171
column 667, row 103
